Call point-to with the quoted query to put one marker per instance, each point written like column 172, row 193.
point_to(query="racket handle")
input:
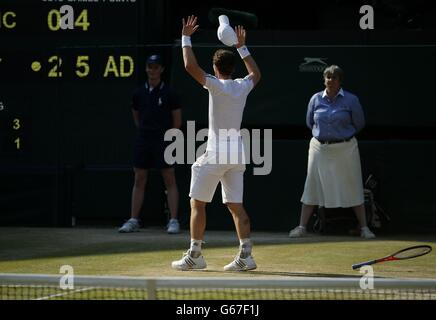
column 359, row 265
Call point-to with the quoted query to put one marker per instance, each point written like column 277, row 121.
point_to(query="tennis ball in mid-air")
column 36, row 66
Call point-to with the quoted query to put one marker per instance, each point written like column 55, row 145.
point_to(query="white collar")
column 148, row 87
column 340, row 93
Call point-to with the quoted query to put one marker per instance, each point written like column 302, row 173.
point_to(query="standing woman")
column 334, row 177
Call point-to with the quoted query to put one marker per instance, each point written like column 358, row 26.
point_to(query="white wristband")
column 243, row 52
column 186, row 41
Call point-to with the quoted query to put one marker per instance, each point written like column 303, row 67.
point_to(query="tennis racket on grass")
column 408, row 253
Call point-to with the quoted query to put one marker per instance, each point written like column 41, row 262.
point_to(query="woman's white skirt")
column 334, row 175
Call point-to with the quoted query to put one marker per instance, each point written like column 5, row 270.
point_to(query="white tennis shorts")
column 206, row 173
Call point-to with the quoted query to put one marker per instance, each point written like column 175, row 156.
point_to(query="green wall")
column 87, row 126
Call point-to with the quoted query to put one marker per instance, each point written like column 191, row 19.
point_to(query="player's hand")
column 241, row 34
column 189, row 26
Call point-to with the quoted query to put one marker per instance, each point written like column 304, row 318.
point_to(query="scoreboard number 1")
column 17, row 143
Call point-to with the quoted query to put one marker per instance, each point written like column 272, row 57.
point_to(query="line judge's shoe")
column 241, row 264
column 297, row 232
column 131, row 225
column 173, row 226
column 189, row 263
column 366, row 233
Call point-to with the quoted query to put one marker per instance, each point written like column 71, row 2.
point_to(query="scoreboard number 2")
column 54, row 71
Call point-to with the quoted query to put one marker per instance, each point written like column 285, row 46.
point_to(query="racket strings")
column 412, row 252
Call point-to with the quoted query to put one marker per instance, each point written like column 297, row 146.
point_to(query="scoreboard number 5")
column 82, row 62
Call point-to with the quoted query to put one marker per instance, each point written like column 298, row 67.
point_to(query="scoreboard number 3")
column 16, row 124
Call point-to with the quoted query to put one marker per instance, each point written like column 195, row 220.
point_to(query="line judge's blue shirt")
column 334, row 120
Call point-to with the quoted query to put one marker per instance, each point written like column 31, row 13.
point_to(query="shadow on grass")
column 40, row 243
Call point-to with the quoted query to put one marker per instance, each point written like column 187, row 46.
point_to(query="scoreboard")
column 72, row 20
column 67, row 73
column 67, row 70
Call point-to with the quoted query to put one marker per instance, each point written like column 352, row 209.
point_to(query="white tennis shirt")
column 227, row 100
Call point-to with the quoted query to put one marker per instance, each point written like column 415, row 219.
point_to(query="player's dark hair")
column 225, row 61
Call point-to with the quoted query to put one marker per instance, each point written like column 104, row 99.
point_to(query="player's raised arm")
column 250, row 64
column 189, row 27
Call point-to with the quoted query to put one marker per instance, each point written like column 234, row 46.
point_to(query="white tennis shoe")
column 241, row 264
column 131, row 225
column 173, row 226
column 366, row 233
column 298, row 232
column 189, row 263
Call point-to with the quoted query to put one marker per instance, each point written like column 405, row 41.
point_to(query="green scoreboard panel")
column 67, row 69
column 67, row 72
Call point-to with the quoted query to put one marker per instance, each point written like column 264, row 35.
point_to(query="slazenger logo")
column 313, row 65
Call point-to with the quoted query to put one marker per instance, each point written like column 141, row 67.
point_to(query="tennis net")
column 48, row 287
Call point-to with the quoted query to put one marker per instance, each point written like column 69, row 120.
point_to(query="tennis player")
column 227, row 99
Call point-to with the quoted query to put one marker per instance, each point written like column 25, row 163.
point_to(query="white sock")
column 245, row 245
column 195, row 248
